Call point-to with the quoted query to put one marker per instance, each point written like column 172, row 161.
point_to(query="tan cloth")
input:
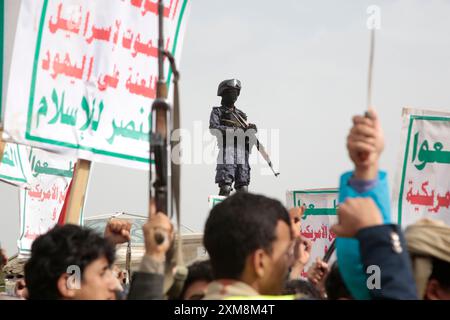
column 221, row 289
column 427, row 239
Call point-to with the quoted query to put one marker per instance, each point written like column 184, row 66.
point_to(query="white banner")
column 319, row 216
column 422, row 187
column 14, row 167
column 41, row 204
column 84, row 76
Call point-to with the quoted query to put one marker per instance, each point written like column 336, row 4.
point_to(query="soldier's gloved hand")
column 252, row 126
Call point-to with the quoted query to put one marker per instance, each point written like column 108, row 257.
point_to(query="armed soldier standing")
column 229, row 121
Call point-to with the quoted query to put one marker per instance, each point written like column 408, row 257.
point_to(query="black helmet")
column 229, row 84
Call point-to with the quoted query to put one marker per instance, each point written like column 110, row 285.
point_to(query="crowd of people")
column 256, row 250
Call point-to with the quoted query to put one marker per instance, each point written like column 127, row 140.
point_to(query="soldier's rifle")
column 166, row 189
column 244, row 125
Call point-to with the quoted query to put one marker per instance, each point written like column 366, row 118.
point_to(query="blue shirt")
column 347, row 249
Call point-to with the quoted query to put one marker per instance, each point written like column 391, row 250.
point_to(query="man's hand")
column 317, row 273
column 356, row 214
column 158, row 224
column 302, row 253
column 118, row 231
column 365, row 143
column 296, row 215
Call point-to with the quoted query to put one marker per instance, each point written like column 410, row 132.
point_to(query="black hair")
column 335, row 286
column 441, row 273
column 197, row 271
column 301, row 286
column 52, row 253
column 238, row 226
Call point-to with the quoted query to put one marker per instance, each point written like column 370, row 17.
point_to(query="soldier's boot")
column 242, row 189
column 225, row 190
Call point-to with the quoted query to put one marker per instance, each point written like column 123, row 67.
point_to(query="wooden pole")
column 77, row 193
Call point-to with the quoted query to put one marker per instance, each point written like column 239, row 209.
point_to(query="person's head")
column 335, row 287
column 71, row 262
column 438, row 286
column 229, row 90
column 428, row 246
column 248, row 238
column 199, row 276
column 303, row 287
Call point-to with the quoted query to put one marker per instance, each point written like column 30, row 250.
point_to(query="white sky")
column 303, row 67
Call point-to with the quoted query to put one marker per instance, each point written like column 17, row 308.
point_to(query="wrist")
column 150, row 264
column 111, row 240
column 296, row 271
column 366, row 172
column 298, row 266
column 157, row 256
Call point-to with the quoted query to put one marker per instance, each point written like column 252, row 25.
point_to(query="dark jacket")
column 385, row 248
column 148, row 282
column 146, row 286
column 223, row 126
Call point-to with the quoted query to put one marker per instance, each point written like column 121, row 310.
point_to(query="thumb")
column 126, row 233
column 373, row 115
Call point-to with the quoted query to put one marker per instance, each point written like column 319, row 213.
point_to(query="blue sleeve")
column 347, row 249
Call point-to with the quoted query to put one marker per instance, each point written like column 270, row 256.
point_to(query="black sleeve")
column 146, row 286
column 384, row 248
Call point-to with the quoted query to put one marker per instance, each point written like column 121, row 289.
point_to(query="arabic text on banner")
column 84, row 75
column 13, row 167
column 41, row 203
column 319, row 216
column 422, row 187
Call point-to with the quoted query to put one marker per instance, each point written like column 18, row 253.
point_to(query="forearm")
column 148, row 282
column 150, row 264
column 296, row 271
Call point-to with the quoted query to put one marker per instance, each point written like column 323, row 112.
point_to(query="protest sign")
column 13, row 169
column 319, row 216
column 422, row 186
column 90, row 74
column 41, row 203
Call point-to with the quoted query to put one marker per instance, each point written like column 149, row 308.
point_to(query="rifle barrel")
column 259, row 145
